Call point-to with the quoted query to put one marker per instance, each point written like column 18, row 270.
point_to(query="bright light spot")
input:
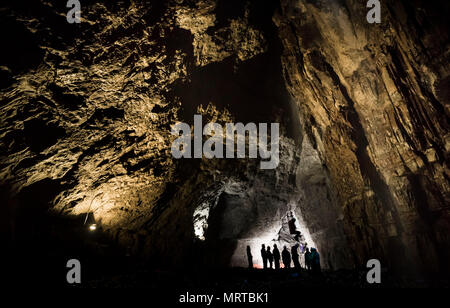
column 201, row 214
column 93, row 227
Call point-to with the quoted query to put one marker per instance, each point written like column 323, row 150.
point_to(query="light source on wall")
column 90, row 217
column 90, row 222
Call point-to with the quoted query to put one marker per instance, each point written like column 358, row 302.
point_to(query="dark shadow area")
column 20, row 49
column 254, row 93
column 253, row 90
column 41, row 135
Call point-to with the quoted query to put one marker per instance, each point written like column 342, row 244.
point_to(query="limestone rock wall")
column 373, row 99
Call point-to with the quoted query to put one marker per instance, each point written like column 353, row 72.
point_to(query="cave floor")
column 236, row 279
column 256, row 280
column 40, row 268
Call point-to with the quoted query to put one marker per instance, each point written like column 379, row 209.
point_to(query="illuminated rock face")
column 87, row 110
column 373, row 100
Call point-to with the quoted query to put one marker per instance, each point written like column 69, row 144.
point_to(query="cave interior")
column 86, row 114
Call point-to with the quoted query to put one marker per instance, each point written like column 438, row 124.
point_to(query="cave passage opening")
column 228, row 216
column 288, row 231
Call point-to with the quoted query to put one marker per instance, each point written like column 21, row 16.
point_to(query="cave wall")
column 87, row 110
column 372, row 99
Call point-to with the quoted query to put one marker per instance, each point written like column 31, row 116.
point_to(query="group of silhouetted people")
column 271, row 258
column 312, row 260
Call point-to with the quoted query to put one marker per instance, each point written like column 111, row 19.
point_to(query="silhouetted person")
column 295, row 256
column 276, row 256
column 286, row 256
column 315, row 261
column 249, row 257
column 308, row 259
column 292, row 227
column 263, row 255
column 269, row 257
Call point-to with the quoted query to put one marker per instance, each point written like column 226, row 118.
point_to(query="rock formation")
column 373, row 101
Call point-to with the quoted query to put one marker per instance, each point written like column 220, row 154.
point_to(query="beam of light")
column 269, row 238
